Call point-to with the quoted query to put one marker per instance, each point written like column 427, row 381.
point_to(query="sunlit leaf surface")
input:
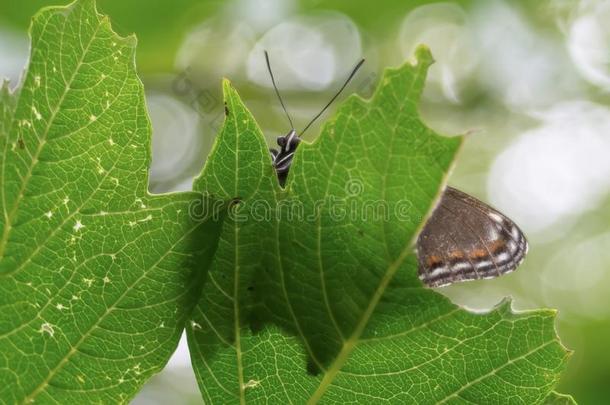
column 96, row 275
column 313, row 294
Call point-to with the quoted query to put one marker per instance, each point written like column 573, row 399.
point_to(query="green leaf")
column 556, row 398
column 313, row 294
column 96, row 275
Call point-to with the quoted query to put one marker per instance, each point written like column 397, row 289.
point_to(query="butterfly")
column 464, row 239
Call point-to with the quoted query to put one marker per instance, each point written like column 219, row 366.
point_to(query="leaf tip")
column 227, row 87
column 423, row 56
column 229, row 93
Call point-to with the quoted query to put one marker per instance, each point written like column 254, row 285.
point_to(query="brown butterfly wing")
column 465, row 239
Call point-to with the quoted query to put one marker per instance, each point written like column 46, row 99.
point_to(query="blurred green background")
column 528, row 81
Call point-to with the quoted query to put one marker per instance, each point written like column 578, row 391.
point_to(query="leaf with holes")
column 96, row 275
column 313, row 294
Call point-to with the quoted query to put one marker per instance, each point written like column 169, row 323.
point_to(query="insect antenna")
column 351, row 75
column 276, row 90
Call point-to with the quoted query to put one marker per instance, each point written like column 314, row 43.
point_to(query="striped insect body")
column 282, row 158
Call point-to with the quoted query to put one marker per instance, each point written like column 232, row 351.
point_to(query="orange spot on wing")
column 497, row 245
column 433, row 260
column 478, row 253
